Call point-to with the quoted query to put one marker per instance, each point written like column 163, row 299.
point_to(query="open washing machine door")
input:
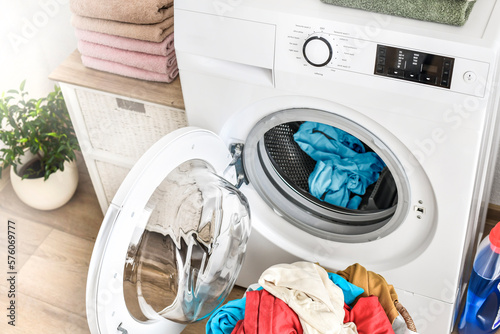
column 173, row 240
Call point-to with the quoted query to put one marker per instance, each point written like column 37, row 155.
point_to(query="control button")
column 317, row 51
column 445, row 81
column 380, row 69
column 396, row 72
column 470, row 77
column 381, row 60
column 382, row 52
column 430, row 79
column 411, row 75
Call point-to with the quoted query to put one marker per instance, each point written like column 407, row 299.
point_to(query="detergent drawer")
column 251, row 43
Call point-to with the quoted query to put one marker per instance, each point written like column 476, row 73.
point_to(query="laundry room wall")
column 495, row 192
column 35, row 37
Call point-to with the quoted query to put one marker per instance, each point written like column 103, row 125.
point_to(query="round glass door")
column 183, row 262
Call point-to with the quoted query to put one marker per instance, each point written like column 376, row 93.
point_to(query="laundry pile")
column 132, row 38
column 304, row 298
column 343, row 167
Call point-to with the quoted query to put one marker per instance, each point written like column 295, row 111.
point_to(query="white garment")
column 399, row 326
column 306, row 289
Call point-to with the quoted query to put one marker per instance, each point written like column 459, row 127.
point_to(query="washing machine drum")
column 172, row 242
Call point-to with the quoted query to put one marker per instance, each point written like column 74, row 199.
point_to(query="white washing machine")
column 422, row 96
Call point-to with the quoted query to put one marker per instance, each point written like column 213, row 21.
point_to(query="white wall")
column 35, row 37
column 495, row 192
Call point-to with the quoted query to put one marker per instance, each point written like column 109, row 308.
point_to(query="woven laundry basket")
column 452, row 12
column 406, row 316
column 111, row 177
column 125, row 127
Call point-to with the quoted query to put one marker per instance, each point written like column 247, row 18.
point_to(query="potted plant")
column 39, row 144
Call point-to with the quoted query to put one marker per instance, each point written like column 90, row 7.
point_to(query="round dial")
column 317, row 51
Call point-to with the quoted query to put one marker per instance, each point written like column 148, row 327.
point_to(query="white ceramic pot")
column 51, row 194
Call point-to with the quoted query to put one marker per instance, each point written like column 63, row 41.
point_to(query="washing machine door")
column 173, row 240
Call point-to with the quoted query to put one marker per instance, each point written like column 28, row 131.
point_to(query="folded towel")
column 163, row 48
column 453, row 12
column 153, row 63
column 129, row 71
column 146, row 32
column 138, row 12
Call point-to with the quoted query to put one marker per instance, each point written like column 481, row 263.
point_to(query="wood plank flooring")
column 52, row 260
column 53, row 254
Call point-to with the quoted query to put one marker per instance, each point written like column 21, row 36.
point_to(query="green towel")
column 453, row 12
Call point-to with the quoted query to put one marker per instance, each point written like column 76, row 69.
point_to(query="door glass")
column 183, row 263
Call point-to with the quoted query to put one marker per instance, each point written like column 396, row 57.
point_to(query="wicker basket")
column 125, row 127
column 406, row 316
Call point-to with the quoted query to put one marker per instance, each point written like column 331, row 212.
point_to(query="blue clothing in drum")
column 343, row 167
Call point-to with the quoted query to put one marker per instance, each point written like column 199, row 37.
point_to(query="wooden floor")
column 53, row 254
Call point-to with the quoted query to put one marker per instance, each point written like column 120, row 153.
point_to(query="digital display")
column 414, row 66
column 430, row 68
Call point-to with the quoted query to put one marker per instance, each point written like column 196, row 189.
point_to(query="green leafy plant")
column 41, row 126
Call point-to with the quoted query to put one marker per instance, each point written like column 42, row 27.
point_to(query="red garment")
column 368, row 316
column 276, row 317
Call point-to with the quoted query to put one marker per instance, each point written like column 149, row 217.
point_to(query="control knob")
column 317, row 51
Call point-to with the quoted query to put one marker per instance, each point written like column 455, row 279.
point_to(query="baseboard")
column 493, row 212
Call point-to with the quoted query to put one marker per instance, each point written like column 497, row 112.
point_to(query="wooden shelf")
column 116, row 119
column 72, row 71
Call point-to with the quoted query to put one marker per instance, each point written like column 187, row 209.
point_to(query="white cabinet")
column 116, row 119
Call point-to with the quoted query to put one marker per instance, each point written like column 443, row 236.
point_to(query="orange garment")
column 373, row 284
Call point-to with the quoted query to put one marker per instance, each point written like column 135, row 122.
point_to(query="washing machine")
column 215, row 204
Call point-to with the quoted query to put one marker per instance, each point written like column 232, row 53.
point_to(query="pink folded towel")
column 129, row 71
column 163, row 48
column 152, row 63
column 138, row 12
column 146, row 32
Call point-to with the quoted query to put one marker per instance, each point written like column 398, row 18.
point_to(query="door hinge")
column 121, row 329
column 236, row 150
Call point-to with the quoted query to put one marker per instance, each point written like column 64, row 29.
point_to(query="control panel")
column 414, row 66
column 335, row 51
column 332, row 51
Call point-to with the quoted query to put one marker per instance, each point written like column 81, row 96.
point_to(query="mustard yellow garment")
column 374, row 285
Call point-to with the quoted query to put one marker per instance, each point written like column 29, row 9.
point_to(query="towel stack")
column 132, row 38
